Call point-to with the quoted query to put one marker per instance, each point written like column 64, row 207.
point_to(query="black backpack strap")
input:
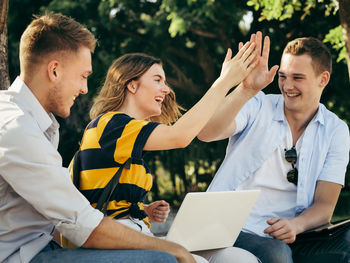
column 110, row 187
column 76, row 170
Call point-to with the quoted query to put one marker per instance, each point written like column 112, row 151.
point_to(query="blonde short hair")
column 52, row 33
column 319, row 53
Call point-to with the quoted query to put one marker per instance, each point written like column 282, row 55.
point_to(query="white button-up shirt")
column 261, row 129
column 36, row 192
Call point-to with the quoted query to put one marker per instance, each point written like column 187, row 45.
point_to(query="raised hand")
column 281, row 229
column 235, row 69
column 260, row 76
column 157, row 211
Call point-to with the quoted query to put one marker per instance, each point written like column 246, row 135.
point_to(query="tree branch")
column 125, row 32
column 182, row 54
column 187, row 86
column 206, row 63
column 202, row 33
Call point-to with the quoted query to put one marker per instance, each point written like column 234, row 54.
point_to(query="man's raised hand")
column 260, row 76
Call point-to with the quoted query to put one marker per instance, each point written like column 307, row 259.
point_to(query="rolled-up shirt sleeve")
column 31, row 165
column 337, row 157
column 248, row 113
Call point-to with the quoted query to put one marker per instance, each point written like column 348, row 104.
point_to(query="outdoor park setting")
column 191, row 38
column 100, row 161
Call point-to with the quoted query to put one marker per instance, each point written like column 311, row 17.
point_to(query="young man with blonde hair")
column 291, row 148
column 37, row 195
column 36, row 192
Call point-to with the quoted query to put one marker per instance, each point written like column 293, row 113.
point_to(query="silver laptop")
column 209, row 220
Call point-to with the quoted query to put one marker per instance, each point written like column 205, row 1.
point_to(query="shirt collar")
column 27, row 99
column 279, row 112
column 319, row 116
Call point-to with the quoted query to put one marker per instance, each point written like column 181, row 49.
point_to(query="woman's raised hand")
column 235, row 69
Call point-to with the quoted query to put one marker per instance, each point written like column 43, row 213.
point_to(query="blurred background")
column 191, row 38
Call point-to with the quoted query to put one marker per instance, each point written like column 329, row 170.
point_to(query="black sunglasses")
column 291, row 157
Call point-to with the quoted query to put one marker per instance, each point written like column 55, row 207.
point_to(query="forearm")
column 320, row 213
column 191, row 123
column 111, row 234
column 233, row 71
column 316, row 215
column 222, row 124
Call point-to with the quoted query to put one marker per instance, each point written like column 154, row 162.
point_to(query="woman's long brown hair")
column 123, row 70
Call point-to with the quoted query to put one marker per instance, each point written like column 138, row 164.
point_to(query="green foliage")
column 190, row 37
column 185, row 14
column 177, row 25
column 275, row 9
column 285, row 9
column 335, row 37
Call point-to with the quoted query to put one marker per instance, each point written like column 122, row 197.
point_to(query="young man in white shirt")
column 36, row 192
column 292, row 148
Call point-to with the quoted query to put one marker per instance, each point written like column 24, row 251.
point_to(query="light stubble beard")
column 56, row 102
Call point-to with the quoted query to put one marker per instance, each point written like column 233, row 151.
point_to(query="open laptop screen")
column 209, row 220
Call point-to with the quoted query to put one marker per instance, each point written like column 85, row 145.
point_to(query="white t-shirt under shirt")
column 278, row 196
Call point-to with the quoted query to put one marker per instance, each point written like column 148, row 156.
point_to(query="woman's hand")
column 157, row 211
column 235, row 69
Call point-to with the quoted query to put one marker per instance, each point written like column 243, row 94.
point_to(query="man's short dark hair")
column 316, row 49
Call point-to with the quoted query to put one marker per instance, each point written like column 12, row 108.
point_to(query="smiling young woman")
column 134, row 112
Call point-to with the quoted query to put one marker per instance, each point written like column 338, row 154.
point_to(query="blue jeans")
column 54, row 253
column 268, row 250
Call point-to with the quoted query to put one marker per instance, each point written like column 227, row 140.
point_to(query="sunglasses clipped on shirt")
column 291, row 157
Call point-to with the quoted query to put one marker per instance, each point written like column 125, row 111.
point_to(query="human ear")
column 324, row 78
column 53, row 70
column 132, row 86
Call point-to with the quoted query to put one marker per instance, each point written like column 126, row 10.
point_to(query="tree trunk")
column 344, row 14
column 4, row 72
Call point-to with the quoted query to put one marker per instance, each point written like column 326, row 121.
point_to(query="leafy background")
column 191, row 37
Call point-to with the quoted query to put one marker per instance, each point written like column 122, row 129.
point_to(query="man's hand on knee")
column 281, row 229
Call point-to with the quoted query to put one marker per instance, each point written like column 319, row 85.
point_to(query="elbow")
column 183, row 142
column 97, row 236
column 89, row 243
column 203, row 138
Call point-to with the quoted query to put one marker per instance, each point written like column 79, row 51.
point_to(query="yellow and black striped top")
column 108, row 141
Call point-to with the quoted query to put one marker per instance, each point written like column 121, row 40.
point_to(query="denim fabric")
column 55, row 254
column 268, row 250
